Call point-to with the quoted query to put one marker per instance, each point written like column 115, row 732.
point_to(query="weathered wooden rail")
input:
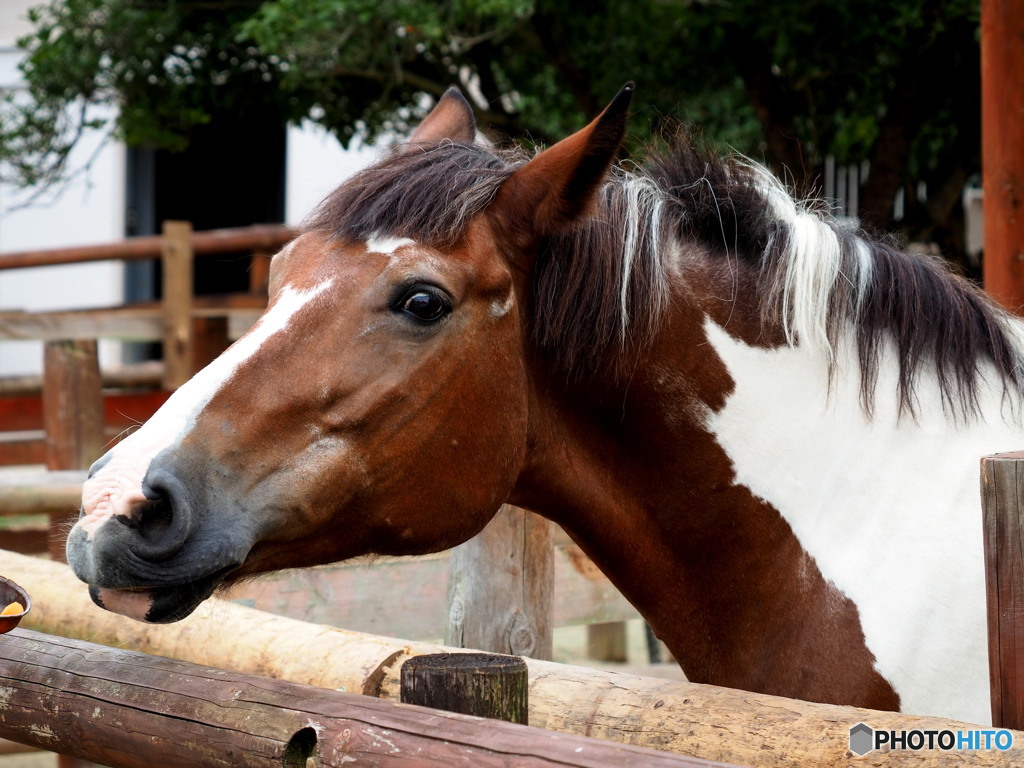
column 126, row 709
column 266, row 239
column 685, row 718
column 193, row 329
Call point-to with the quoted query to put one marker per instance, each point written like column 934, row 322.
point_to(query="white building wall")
column 316, row 164
column 91, row 210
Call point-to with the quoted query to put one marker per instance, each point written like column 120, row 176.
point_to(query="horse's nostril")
column 151, row 519
column 162, row 523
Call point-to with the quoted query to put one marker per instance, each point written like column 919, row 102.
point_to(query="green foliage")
column 788, row 81
column 166, row 66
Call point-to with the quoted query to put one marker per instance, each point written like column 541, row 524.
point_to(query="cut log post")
column 126, row 709
column 500, row 586
column 1002, row 479
column 481, row 684
column 687, row 718
column 176, row 259
column 72, row 416
column 72, row 404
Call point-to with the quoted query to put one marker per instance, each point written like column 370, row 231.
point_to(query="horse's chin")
column 157, row 605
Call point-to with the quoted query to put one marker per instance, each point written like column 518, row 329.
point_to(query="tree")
column 790, row 82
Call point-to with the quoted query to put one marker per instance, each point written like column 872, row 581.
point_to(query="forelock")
column 428, row 193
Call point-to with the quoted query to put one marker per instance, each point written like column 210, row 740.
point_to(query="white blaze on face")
column 888, row 509
column 387, row 245
column 117, row 487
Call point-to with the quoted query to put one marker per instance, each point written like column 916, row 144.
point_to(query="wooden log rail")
column 126, row 709
column 266, row 238
column 699, row 720
column 404, row 597
column 190, row 339
column 31, row 492
column 146, row 375
column 194, row 330
column 175, row 248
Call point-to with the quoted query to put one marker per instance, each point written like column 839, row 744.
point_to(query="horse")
column 763, row 425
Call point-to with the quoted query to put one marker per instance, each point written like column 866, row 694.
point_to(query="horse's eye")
column 425, row 305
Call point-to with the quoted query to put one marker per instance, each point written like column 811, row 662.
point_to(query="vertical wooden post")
column 209, row 339
column 1002, row 480
column 72, row 416
column 500, row 587
column 1002, row 140
column 480, row 684
column 259, row 273
column 176, row 258
column 73, row 421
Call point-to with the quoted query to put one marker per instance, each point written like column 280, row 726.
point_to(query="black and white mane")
column 601, row 286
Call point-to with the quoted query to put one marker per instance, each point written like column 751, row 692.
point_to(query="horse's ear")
column 557, row 185
column 451, row 118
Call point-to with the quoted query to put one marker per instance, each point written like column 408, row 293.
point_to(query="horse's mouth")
column 158, row 605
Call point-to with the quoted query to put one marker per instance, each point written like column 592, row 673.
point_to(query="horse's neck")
column 771, row 532
column 640, row 484
column 886, row 506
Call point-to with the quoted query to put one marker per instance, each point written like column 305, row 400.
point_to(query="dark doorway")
column 231, row 175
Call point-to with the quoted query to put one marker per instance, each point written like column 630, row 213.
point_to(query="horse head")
column 381, row 403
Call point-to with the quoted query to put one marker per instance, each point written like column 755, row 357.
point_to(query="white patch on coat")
column 387, row 245
column 502, row 308
column 117, row 486
column 889, row 509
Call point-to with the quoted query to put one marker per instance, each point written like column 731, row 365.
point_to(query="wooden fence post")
column 500, row 586
column 1002, row 135
column 73, row 422
column 481, row 684
column 72, row 416
column 176, row 259
column 259, row 272
column 1002, row 478
column 209, row 339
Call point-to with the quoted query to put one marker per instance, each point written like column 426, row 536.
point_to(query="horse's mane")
column 601, row 287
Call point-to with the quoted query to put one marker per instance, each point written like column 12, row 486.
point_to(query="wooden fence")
column 670, row 715
column 78, row 404
column 129, row 710
column 82, row 409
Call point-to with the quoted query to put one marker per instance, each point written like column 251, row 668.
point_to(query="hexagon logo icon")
column 862, row 738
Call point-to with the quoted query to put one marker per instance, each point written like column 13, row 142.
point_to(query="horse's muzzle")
column 152, row 559
column 159, row 605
